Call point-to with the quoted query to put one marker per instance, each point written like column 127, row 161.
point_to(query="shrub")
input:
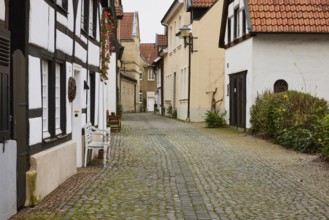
column 214, row 119
column 325, row 140
column 292, row 119
column 174, row 114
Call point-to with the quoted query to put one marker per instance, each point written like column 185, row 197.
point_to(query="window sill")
column 60, row 136
column 48, row 140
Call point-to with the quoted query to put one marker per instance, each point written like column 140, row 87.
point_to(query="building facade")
column 57, row 89
column 194, row 67
column 269, row 48
column 130, row 66
column 148, row 78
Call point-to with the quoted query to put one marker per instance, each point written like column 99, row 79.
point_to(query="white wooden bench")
column 100, row 145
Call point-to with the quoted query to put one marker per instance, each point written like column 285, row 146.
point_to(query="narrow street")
column 162, row 168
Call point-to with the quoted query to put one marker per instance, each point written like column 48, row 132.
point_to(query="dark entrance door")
column 20, row 124
column 238, row 99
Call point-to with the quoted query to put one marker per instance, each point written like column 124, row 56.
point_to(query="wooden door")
column 238, row 99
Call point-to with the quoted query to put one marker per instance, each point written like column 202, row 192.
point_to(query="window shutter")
column 4, row 85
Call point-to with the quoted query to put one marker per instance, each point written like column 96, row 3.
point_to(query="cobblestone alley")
column 162, row 168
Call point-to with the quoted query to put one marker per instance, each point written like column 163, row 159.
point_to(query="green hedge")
column 293, row 119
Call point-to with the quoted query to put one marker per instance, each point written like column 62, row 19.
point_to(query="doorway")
column 237, row 94
column 76, row 115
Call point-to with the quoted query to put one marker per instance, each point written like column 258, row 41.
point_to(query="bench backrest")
column 88, row 133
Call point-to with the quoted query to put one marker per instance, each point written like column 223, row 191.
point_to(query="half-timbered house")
column 57, row 88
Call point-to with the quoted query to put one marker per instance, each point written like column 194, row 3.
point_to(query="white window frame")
column 45, row 98
column 58, row 99
column 91, row 19
column 150, row 74
column 140, row 96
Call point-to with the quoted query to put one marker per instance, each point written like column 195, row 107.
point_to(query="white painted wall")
column 111, row 89
column 2, row 10
column 80, row 52
column 35, row 130
column 93, row 54
column 34, row 83
column 239, row 58
column 41, row 25
column 64, row 43
column 8, row 179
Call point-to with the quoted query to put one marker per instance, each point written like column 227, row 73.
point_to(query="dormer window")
column 244, row 22
column 236, row 23
column 229, row 30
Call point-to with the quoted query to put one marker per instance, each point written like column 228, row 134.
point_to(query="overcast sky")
column 150, row 14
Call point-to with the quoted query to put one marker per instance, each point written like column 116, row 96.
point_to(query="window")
column 244, row 31
column 150, row 75
column 53, row 100
column 236, row 23
column 62, row 4
column 89, row 16
column 229, row 28
column 280, row 86
column 45, row 96
column 58, row 99
column 84, row 15
column 4, row 86
column 141, row 76
column 92, row 17
column 140, row 96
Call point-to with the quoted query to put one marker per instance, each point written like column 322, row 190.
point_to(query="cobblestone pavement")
column 162, row 168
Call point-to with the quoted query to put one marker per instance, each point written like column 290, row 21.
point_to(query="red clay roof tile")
column 289, row 15
column 161, row 40
column 202, row 3
column 126, row 26
column 149, row 52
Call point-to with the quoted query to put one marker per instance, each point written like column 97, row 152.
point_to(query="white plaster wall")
column 8, row 179
column 111, row 85
column 301, row 60
column 35, row 130
column 64, row 43
column 67, row 21
column 2, row 10
column 41, row 25
column 80, row 52
column 239, row 58
column 69, row 72
column 34, row 83
column 93, row 54
column 62, row 19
